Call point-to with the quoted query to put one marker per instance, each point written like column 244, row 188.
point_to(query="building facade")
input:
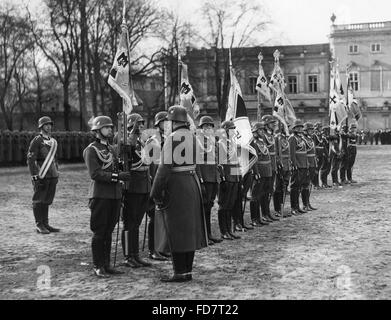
column 306, row 69
column 366, row 47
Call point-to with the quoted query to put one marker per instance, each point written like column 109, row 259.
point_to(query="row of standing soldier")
column 180, row 225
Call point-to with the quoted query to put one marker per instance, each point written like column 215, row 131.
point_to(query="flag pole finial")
column 124, row 12
column 348, row 67
column 276, row 55
column 260, row 57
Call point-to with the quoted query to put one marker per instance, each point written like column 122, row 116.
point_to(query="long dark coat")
column 180, row 226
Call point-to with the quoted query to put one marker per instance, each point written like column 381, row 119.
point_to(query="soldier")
column 310, row 146
column 177, row 192
column 319, row 154
column 136, row 196
column 41, row 160
column 209, row 177
column 352, row 151
column 326, row 164
column 262, row 173
column 298, row 153
column 344, row 154
column 336, row 157
column 229, row 188
column 283, row 171
column 104, row 193
column 271, row 123
column 155, row 143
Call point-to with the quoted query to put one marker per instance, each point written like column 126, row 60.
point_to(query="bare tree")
column 104, row 27
column 231, row 24
column 15, row 40
column 176, row 37
column 56, row 41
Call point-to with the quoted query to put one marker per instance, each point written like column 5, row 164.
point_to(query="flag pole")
column 179, row 77
column 125, row 135
column 260, row 58
column 165, row 87
column 348, row 66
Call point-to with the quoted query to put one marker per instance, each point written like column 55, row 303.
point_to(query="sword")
column 116, row 240
column 145, row 231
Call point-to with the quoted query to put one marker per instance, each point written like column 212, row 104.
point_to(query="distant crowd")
column 374, row 137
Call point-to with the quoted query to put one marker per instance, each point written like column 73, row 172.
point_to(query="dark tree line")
column 64, row 49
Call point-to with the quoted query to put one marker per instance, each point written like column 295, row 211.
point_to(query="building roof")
column 267, row 51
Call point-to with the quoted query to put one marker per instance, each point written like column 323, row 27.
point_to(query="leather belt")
column 285, row 156
column 272, row 153
column 310, row 155
column 190, row 169
column 265, row 162
column 301, row 152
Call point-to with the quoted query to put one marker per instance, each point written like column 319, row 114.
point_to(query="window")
column 375, row 80
column 292, row 84
column 313, row 83
column 252, row 85
column 353, row 76
column 375, row 47
column 353, row 48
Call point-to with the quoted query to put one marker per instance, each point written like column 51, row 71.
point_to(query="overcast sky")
column 304, row 21
column 295, row 21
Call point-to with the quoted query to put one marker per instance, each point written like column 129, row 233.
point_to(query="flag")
column 262, row 85
column 278, row 111
column 282, row 109
column 277, row 81
column 338, row 111
column 187, row 97
column 237, row 113
column 236, row 107
column 119, row 78
column 353, row 107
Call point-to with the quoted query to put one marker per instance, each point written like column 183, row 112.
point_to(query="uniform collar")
column 45, row 137
column 104, row 142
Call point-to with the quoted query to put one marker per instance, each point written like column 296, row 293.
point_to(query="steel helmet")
column 298, row 123
column 267, row 118
column 44, row 120
column 206, row 120
column 308, row 126
column 133, row 118
column 227, row 125
column 100, row 122
column 177, row 113
column 258, row 126
column 159, row 117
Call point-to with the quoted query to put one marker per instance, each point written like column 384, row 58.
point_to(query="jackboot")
column 255, row 213
column 305, row 198
column 39, row 213
column 107, row 254
column 222, row 223
column 45, row 210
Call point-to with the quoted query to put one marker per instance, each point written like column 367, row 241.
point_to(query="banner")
column 237, row 113
column 119, row 78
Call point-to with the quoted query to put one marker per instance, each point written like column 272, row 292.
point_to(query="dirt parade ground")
column 341, row 251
